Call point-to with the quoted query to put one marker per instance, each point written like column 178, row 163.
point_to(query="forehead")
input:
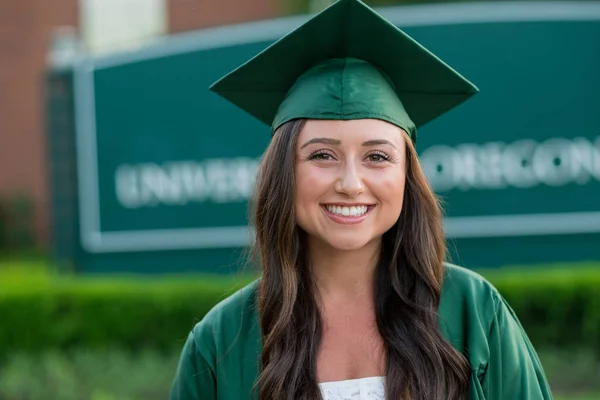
column 348, row 132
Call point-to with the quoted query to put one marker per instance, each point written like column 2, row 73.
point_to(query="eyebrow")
column 323, row 141
column 368, row 143
column 378, row 142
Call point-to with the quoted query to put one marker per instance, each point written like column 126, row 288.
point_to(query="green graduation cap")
column 347, row 62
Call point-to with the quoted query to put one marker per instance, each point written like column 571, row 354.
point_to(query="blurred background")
column 124, row 183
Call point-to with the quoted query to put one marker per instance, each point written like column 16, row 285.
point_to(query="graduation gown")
column 219, row 360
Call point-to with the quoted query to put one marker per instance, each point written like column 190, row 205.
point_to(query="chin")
column 347, row 244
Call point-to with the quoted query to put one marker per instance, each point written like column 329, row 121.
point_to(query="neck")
column 344, row 273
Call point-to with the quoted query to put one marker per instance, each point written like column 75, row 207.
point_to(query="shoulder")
column 220, row 350
column 467, row 285
column 224, row 322
column 467, row 311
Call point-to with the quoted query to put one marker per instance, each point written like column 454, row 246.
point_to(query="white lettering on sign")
column 522, row 164
column 183, row 182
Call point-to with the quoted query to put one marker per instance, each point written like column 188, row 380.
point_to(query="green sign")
column 166, row 168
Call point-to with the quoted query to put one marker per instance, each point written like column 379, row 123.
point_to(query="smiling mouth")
column 348, row 211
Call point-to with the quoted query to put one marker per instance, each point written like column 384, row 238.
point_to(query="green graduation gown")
column 219, row 360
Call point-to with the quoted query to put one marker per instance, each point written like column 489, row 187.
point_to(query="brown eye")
column 320, row 155
column 378, row 157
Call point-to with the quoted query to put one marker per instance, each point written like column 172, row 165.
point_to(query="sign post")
column 166, row 168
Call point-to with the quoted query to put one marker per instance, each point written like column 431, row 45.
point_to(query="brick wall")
column 25, row 27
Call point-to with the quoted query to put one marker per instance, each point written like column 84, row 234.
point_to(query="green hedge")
column 97, row 313
column 3, row 226
column 557, row 308
column 17, row 215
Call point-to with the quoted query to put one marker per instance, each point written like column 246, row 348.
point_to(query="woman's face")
column 350, row 179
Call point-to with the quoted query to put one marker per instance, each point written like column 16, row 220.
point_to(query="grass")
column 573, row 374
column 583, row 396
column 120, row 375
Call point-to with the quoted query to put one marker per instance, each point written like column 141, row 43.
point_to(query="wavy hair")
column 420, row 363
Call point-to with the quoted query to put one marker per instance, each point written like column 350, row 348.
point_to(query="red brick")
column 25, row 29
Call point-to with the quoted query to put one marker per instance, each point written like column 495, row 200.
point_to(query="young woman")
column 355, row 300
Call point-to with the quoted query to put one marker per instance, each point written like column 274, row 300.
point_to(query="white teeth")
column 354, row 211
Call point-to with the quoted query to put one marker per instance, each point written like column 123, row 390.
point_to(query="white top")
column 355, row 389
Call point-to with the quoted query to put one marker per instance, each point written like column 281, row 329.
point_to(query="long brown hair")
column 421, row 364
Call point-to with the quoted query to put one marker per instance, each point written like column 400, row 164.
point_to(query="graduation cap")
column 347, row 62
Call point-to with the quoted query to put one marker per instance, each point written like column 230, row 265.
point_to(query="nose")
column 350, row 182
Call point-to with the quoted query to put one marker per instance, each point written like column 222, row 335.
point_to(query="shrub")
column 97, row 313
column 17, row 213
column 558, row 308
column 3, row 226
